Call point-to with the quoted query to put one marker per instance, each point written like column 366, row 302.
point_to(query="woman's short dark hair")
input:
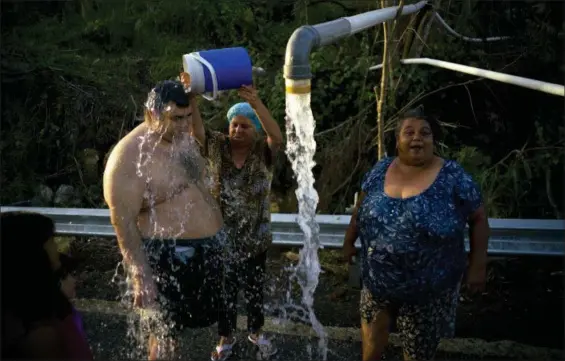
column 418, row 113
column 30, row 288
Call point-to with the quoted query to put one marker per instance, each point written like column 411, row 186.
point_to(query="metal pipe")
column 542, row 86
column 304, row 39
column 542, row 237
column 466, row 38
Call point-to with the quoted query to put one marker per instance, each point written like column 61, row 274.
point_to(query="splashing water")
column 145, row 322
column 301, row 147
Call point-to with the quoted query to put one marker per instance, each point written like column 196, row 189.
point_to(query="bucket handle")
column 212, row 74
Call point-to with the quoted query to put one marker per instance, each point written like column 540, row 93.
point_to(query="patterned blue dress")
column 413, row 254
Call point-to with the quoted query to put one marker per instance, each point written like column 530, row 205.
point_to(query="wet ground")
column 106, row 328
column 523, row 302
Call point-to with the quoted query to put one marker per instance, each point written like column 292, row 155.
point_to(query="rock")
column 90, row 159
column 66, row 196
column 292, row 256
column 45, row 193
column 43, row 196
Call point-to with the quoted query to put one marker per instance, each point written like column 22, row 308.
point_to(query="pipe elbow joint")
column 298, row 49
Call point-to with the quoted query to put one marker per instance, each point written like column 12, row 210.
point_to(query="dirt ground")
column 523, row 301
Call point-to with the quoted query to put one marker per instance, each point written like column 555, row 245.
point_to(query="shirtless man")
column 168, row 226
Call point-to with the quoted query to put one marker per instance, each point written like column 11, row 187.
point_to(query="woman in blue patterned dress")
column 411, row 218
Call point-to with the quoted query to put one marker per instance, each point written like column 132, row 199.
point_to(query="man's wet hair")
column 30, row 288
column 164, row 92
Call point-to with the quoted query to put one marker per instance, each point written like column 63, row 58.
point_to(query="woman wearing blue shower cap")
column 241, row 166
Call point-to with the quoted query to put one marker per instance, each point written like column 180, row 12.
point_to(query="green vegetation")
column 64, row 244
column 75, row 74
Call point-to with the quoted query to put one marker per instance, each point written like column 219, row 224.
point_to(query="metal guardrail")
column 508, row 236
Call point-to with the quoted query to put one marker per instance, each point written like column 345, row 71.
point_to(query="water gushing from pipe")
column 301, row 147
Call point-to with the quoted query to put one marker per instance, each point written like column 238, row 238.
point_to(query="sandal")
column 266, row 348
column 222, row 353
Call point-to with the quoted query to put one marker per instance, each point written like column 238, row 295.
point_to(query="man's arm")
column 198, row 130
column 197, row 126
column 123, row 192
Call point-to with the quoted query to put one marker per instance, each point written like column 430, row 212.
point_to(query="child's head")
column 29, row 262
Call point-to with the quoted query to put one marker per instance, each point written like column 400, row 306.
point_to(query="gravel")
column 523, row 303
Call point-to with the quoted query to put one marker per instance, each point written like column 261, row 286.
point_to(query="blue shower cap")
column 247, row 111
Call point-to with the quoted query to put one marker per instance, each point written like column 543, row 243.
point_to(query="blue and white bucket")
column 212, row 71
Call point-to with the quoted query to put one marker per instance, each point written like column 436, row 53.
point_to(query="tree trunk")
column 380, row 95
